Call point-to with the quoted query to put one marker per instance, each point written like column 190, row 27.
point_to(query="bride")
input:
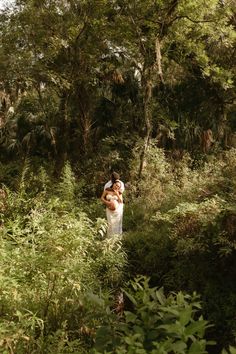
column 112, row 198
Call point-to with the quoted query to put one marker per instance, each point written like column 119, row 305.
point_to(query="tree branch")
column 138, row 34
column 158, row 58
column 190, row 19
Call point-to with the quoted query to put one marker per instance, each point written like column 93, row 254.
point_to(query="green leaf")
column 139, row 329
column 196, row 327
column 232, row 350
column 185, row 316
column 160, row 296
column 174, row 328
column 130, row 317
column 179, row 347
column 197, row 347
column 132, row 299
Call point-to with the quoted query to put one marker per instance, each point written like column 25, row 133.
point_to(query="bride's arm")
column 103, row 199
column 120, row 198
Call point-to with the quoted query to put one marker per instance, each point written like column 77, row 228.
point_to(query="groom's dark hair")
column 114, row 176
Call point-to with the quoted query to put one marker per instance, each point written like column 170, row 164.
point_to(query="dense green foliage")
column 54, row 260
column 61, row 277
column 183, row 231
column 145, row 87
column 79, row 79
column 156, row 325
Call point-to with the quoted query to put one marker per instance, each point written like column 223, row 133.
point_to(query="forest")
column 145, row 88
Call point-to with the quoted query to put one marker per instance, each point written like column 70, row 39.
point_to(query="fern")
column 51, row 257
column 22, row 178
column 66, row 186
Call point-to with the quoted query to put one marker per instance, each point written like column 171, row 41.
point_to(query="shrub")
column 52, row 257
column 155, row 324
column 185, row 239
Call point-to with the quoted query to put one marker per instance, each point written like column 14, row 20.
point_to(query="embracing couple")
column 113, row 199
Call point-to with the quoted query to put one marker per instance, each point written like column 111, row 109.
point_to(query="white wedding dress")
column 114, row 217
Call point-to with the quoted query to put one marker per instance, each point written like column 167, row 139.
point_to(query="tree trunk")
column 158, row 59
column 147, row 88
column 63, row 134
column 147, row 94
column 85, row 117
column 86, row 130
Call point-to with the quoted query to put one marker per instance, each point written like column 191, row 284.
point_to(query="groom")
column 114, row 177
